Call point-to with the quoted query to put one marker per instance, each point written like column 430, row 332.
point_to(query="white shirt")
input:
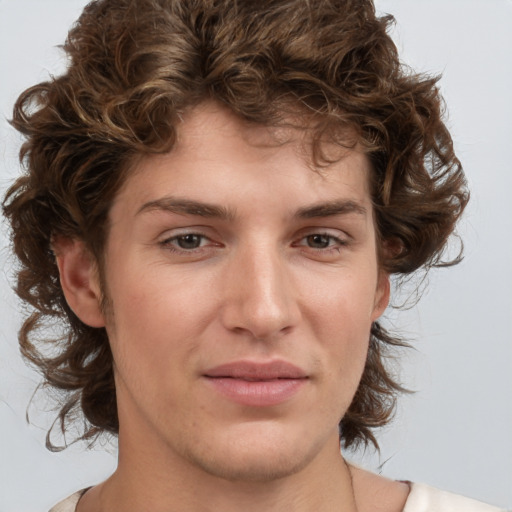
column 422, row 498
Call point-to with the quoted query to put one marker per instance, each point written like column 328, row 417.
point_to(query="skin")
column 232, row 248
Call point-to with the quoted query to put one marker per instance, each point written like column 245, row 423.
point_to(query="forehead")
column 220, row 158
column 295, row 132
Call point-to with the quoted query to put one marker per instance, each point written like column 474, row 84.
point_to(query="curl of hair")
column 135, row 67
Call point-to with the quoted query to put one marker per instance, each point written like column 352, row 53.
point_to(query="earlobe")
column 79, row 280
column 382, row 296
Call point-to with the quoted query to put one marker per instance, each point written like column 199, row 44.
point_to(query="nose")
column 259, row 296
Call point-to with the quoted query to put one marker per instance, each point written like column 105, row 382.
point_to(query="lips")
column 257, row 384
column 252, row 371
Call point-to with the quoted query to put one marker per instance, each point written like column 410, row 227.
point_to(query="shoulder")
column 375, row 493
column 69, row 504
column 423, row 498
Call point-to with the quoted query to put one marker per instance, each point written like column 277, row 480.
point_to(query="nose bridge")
column 260, row 291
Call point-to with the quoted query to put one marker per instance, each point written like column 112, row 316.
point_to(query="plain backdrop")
column 455, row 431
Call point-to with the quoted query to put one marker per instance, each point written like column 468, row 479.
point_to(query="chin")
column 257, row 468
column 254, row 458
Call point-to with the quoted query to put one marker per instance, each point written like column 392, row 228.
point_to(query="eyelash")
column 337, row 242
column 334, row 243
column 168, row 243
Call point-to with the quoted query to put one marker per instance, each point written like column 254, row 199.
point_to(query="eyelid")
column 177, row 237
column 338, row 239
column 331, row 232
column 176, row 232
column 167, row 240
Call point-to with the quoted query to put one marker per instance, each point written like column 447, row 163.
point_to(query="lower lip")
column 261, row 393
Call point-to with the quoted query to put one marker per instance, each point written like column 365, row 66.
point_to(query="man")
column 216, row 196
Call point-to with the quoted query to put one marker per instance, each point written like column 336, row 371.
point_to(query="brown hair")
column 135, row 66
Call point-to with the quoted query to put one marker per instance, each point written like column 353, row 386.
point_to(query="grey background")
column 455, row 432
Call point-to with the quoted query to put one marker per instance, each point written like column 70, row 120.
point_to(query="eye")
column 322, row 245
column 188, row 241
column 319, row 241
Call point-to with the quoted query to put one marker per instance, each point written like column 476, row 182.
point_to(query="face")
column 242, row 287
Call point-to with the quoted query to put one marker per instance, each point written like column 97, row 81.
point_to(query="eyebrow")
column 200, row 209
column 330, row 209
column 187, row 207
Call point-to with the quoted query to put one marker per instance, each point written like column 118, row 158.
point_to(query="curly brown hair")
column 135, row 66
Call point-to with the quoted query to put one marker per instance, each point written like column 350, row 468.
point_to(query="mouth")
column 257, row 384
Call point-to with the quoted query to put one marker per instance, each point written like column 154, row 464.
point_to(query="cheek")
column 158, row 297
column 160, row 317
column 340, row 316
column 341, row 304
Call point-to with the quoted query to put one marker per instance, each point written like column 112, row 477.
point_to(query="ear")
column 382, row 295
column 79, row 280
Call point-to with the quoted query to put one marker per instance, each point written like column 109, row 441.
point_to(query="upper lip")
column 252, row 370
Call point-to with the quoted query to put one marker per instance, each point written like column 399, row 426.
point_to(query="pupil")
column 189, row 241
column 318, row 241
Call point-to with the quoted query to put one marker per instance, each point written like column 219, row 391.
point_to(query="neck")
column 143, row 481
